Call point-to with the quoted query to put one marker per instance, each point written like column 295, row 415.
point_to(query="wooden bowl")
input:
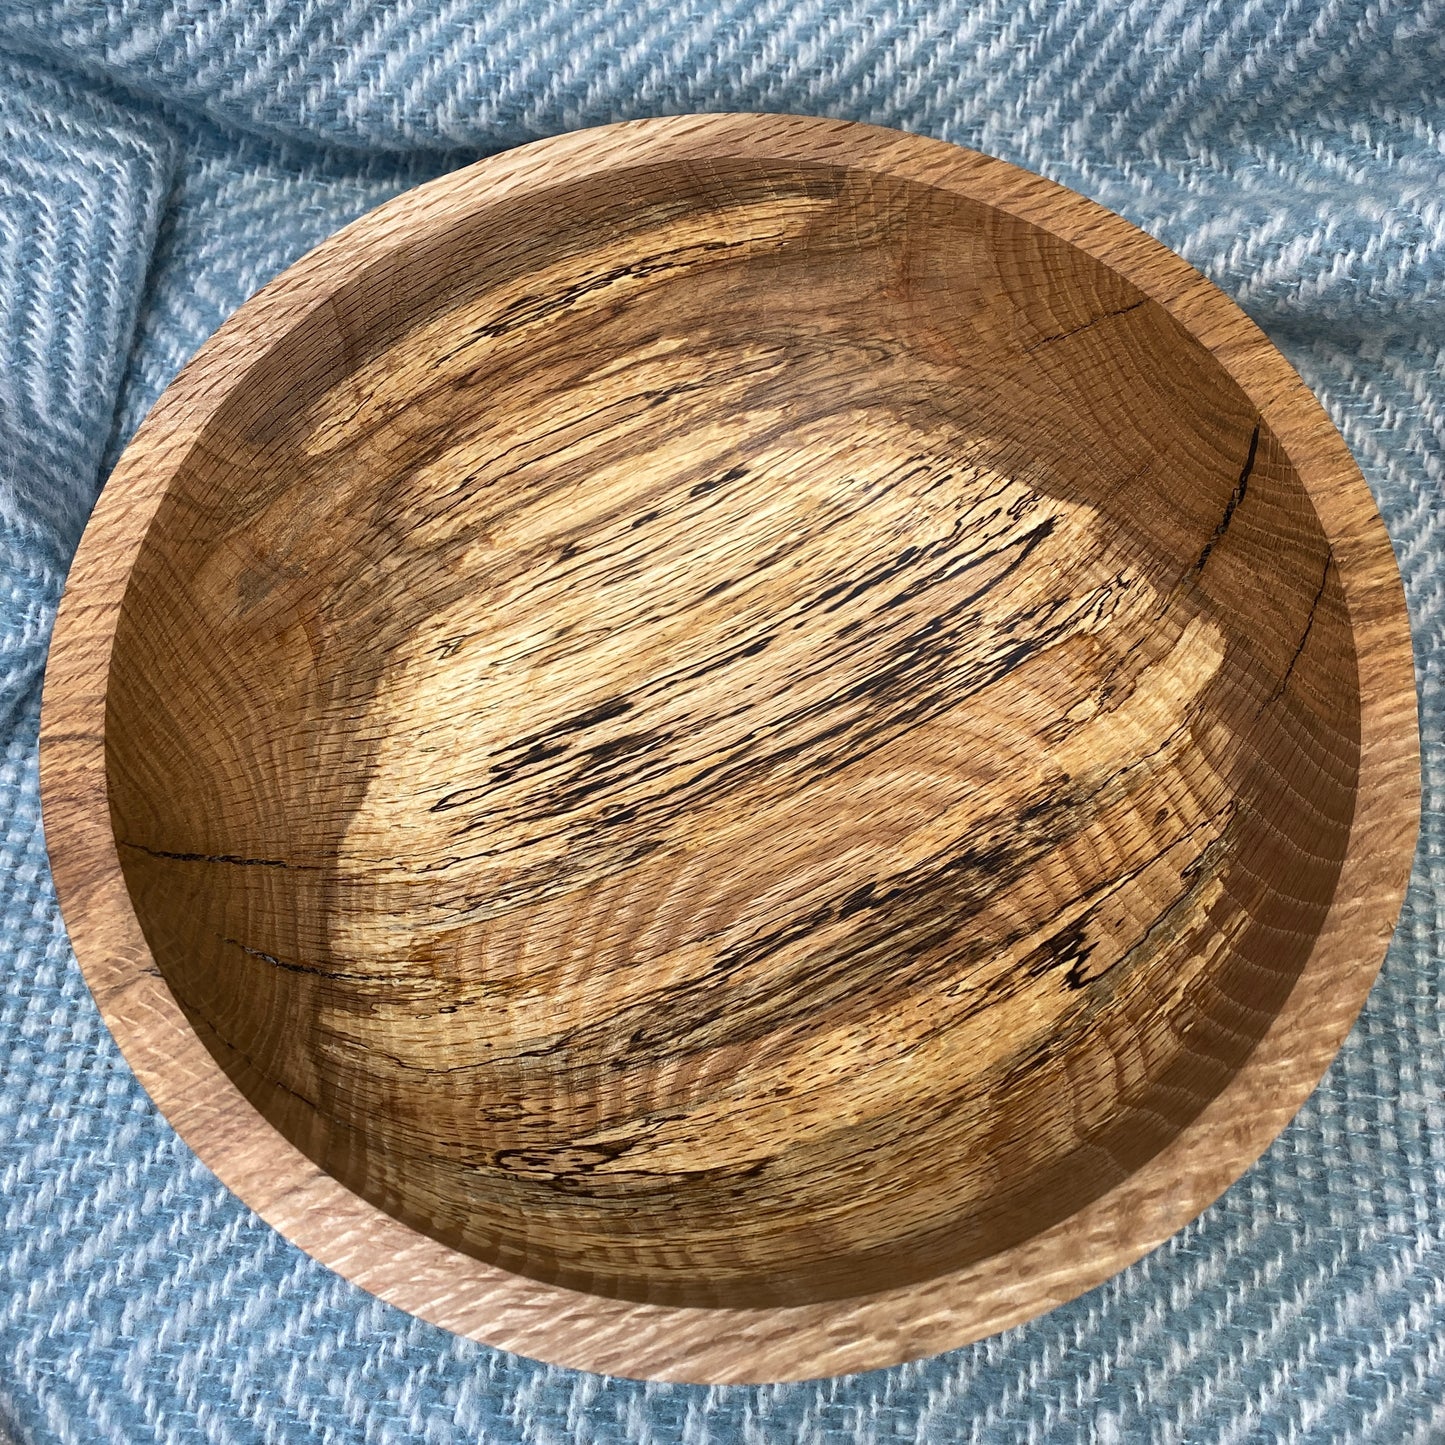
column 732, row 748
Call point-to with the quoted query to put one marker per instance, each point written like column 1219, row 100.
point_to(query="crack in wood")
column 235, row 859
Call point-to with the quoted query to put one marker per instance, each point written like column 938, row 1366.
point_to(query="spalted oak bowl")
column 732, row 748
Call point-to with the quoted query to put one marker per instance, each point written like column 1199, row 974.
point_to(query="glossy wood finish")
column 781, row 743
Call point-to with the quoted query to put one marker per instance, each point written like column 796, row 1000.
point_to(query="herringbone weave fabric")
column 161, row 159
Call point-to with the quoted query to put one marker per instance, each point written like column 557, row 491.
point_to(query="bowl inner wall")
column 734, row 734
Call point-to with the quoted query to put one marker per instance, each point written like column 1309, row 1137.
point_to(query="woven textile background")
column 161, row 159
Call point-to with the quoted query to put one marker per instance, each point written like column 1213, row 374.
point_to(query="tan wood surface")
column 732, row 748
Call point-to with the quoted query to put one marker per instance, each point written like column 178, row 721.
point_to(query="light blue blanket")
column 161, row 159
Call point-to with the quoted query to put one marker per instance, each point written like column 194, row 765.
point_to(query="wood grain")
column 732, row 748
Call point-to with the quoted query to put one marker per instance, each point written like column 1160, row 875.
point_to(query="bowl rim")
column 563, row 1326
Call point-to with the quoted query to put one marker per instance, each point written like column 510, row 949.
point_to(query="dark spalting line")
column 554, row 479
column 401, row 511
column 529, row 309
column 534, row 757
column 864, row 732
column 668, row 804
column 832, row 980
column 571, row 1170
column 1211, row 863
column 972, row 521
column 1235, row 498
column 751, row 647
column 425, row 451
column 534, row 748
column 231, row 858
column 754, row 376
column 915, row 944
column 1099, row 603
column 1068, row 948
column 404, row 507
column 914, row 941
column 703, row 489
column 864, row 736
column 601, row 768
column 852, row 587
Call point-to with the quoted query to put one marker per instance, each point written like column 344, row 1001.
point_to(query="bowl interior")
column 733, row 733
